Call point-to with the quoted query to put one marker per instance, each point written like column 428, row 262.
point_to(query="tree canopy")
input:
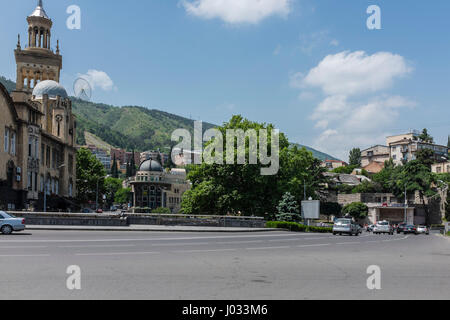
column 89, row 172
column 241, row 189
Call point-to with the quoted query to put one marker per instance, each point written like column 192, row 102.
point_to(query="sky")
column 312, row 68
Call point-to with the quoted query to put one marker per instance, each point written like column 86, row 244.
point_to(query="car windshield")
column 384, row 223
column 343, row 221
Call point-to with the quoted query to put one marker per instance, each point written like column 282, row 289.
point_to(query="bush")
column 292, row 226
column 162, row 211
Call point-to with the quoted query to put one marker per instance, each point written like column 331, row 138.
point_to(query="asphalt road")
column 274, row 265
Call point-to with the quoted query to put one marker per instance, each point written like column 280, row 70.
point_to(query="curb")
column 119, row 229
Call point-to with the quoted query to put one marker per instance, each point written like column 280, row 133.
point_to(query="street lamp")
column 96, row 195
column 45, row 186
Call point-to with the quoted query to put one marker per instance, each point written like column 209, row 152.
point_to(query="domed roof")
column 50, row 88
column 39, row 11
column 151, row 166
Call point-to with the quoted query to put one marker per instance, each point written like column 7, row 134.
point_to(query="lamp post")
column 45, row 186
column 96, row 195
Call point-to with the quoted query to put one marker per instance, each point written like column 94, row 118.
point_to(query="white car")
column 423, row 230
column 10, row 224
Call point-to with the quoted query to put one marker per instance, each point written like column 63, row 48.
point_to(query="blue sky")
column 310, row 67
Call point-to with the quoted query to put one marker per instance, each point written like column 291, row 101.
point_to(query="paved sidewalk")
column 142, row 228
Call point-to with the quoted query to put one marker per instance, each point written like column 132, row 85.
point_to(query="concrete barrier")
column 195, row 220
column 109, row 220
column 66, row 219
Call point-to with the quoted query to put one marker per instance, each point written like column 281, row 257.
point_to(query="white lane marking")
column 340, row 243
column 179, row 244
column 197, row 251
column 116, row 253
column 268, row 248
column 26, row 247
column 24, row 255
column 240, row 242
column 314, row 245
column 155, row 239
column 100, row 246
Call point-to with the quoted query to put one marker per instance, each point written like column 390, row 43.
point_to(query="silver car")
column 383, row 227
column 10, row 224
column 345, row 226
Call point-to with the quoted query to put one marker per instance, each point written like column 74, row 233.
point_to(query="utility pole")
column 406, row 205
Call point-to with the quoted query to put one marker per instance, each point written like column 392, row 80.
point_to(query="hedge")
column 292, row 226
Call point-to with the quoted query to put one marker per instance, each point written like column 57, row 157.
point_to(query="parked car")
column 10, row 224
column 383, row 227
column 401, row 228
column 87, row 210
column 410, row 229
column 345, row 226
column 359, row 228
column 99, row 211
column 370, row 228
column 423, row 230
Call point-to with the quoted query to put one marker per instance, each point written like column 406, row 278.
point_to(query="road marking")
column 23, row 255
column 314, row 245
column 156, row 239
column 268, row 248
column 20, row 247
column 115, row 253
column 101, row 246
column 197, row 251
column 240, row 242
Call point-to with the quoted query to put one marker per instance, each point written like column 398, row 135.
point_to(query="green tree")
column 288, row 209
column 367, row 187
column 355, row 157
column 161, row 211
column 345, row 169
column 426, row 137
column 123, row 196
column 357, row 210
column 241, row 189
column 90, row 171
column 112, row 186
column 415, row 176
column 426, row 157
column 115, row 168
column 330, row 209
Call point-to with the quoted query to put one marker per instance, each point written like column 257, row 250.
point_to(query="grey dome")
column 50, row 88
column 39, row 11
column 151, row 166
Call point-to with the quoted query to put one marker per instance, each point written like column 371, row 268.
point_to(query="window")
column 30, row 143
column 6, row 141
column 41, row 185
column 30, row 183
column 42, row 153
column 13, row 143
column 47, row 159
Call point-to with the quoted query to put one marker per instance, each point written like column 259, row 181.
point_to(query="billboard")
column 311, row 209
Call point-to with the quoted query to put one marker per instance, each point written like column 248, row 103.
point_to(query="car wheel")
column 6, row 230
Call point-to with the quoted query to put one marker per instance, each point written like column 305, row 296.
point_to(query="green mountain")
column 132, row 127
column 9, row 85
column 319, row 155
column 129, row 127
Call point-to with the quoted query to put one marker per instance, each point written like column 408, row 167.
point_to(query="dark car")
column 410, row 229
column 401, row 228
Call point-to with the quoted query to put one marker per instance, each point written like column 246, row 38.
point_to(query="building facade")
column 377, row 153
column 403, row 148
column 443, row 167
column 153, row 188
column 38, row 127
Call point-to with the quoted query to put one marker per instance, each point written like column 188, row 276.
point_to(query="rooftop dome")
column 39, row 11
column 151, row 166
column 50, row 88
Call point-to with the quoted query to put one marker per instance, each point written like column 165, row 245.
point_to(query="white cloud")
column 351, row 73
column 237, row 11
column 99, row 79
column 355, row 112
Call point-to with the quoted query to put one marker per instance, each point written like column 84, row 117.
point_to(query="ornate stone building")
column 153, row 188
column 37, row 151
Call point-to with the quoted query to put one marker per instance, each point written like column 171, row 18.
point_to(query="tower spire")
column 40, row 4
